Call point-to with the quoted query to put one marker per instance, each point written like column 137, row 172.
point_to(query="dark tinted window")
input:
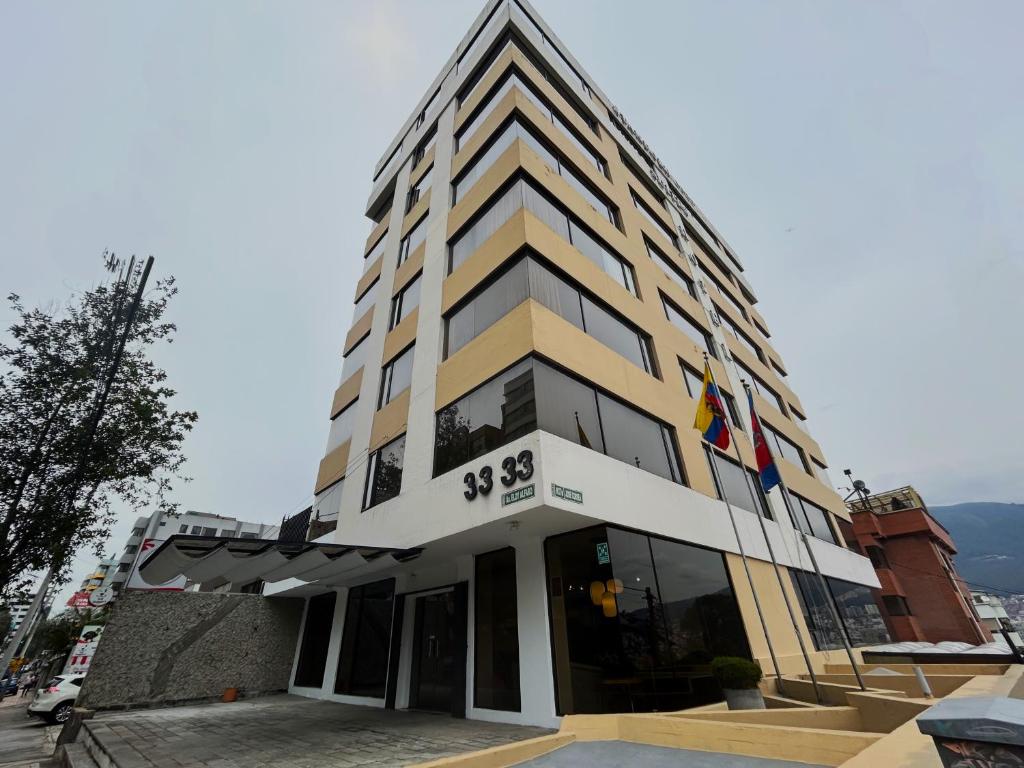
column 529, row 278
column 412, row 240
column 405, row 302
column 522, row 194
column 637, row 439
column 396, row 377
column 784, row 447
column 316, row 636
column 363, row 662
column 855, row 604
column 384, row 476
column 740, row 485
column 490, row 416
column 648, row 612
column 506, row 408
column 686, row 324
column 816, row 518
column 496, row 648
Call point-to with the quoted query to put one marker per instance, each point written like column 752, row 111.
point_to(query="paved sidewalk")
column 292, row 731
column 24, row 741
column 615, row 754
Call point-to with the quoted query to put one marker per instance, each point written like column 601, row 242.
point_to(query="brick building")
column 923, row 597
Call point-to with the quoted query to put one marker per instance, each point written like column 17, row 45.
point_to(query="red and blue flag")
column 766, row 467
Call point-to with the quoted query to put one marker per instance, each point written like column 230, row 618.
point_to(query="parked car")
column 8, row 686
column 55, row 701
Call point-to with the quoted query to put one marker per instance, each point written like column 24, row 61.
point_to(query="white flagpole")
column 826, row 593
column 743, row 553
column 771, row 550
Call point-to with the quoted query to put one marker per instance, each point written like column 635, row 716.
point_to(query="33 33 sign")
column 519, row 467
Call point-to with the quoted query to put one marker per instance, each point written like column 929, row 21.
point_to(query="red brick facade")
column 922, row 596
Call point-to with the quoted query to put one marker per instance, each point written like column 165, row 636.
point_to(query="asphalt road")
column 24, row 741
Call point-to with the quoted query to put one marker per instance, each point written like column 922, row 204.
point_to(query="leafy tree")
column 62, row 467
column 59, row 634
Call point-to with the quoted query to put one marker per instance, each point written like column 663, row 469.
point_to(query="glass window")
column 420, row 189
column 758, row 385
column 896, row 605
column 739, row 335
column 492, row 303
column 424, row 147
column 637, row 439
column 182, row 529
column 316, row 636
column 405, row 302
column 374, row 253
column 521, row 194
column 800, row 420
column 506, row 408
column 197, row 530
column 384, row 475
column 859, row 613
column 822, row 472
column 516, row 130
column 412, row 240
column 366, row 640
column 614, row 333
column 209, row 531
column 740, row 484
column 654, row 219
column 694, row 380
column 355, row 358
column 721, row 289
column 636, row 621
column 490, row 416
column 496, row 645
column 674, row 273
column 784, row 447
column 814, row 604
column 528, row 278
column 684, row 323
column 341, row 427
column 367, row 300
column 396, row 377
column 515, row 80
column 817, row 519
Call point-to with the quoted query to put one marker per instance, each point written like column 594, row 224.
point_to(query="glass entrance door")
column 434, row 652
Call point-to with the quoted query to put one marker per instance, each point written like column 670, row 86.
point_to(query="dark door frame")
column 460, row 646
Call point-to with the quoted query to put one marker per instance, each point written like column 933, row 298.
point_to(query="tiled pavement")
column 291, row 731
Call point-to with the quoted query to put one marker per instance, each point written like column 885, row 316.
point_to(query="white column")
column 536, row 674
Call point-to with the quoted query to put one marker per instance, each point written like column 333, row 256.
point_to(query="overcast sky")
column 863, row 158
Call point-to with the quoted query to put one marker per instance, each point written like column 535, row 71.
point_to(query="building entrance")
column 435, row 652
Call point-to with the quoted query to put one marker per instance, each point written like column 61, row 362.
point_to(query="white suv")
column 54, row 702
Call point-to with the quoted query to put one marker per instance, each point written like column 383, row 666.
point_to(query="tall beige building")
column 511, row 446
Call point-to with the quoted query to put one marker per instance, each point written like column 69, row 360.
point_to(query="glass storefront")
column 854, row 603
column 365, row 640
column 496, row 648
column 636, row 621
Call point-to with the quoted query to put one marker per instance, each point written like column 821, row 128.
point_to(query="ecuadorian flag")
column 710, row 419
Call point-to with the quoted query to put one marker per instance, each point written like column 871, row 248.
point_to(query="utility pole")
column 84, row 455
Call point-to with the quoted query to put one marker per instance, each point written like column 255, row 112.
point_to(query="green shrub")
column 735, row 673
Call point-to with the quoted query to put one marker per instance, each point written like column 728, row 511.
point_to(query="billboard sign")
column 81, row 656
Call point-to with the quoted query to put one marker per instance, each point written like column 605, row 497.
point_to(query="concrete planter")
column 744, row 698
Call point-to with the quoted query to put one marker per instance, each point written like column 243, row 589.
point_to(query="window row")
column 367, row 300
column 412, row 240
column 653, row 218
column 563, row 63
column 528, row 278
column 740, row 485
column 355, row 358
column 418, row 190
column 758, row 385
column 858, row 613
column 514, row 80
column 516, row 130
column 722, row 289
column 395, row 377
column 811, row 519
column 405, row 302
column 695, row 385
column 374, row 253
column 784, row 447
column 341, row 427
column 689, row 326
column 739, row 335
column 384, row 473
column 674, row 273
column 522, row 194
column 532, row 395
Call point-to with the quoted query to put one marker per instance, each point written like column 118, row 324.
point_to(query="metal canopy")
column 221, row 559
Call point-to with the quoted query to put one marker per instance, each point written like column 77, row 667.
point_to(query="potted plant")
column 738, row 679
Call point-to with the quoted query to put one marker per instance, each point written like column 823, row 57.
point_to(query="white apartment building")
column 527, row 525
column 993, row 615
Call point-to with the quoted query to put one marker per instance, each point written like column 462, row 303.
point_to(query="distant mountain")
column 989, row 538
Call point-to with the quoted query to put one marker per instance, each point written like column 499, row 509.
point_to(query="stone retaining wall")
column 161, row 648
